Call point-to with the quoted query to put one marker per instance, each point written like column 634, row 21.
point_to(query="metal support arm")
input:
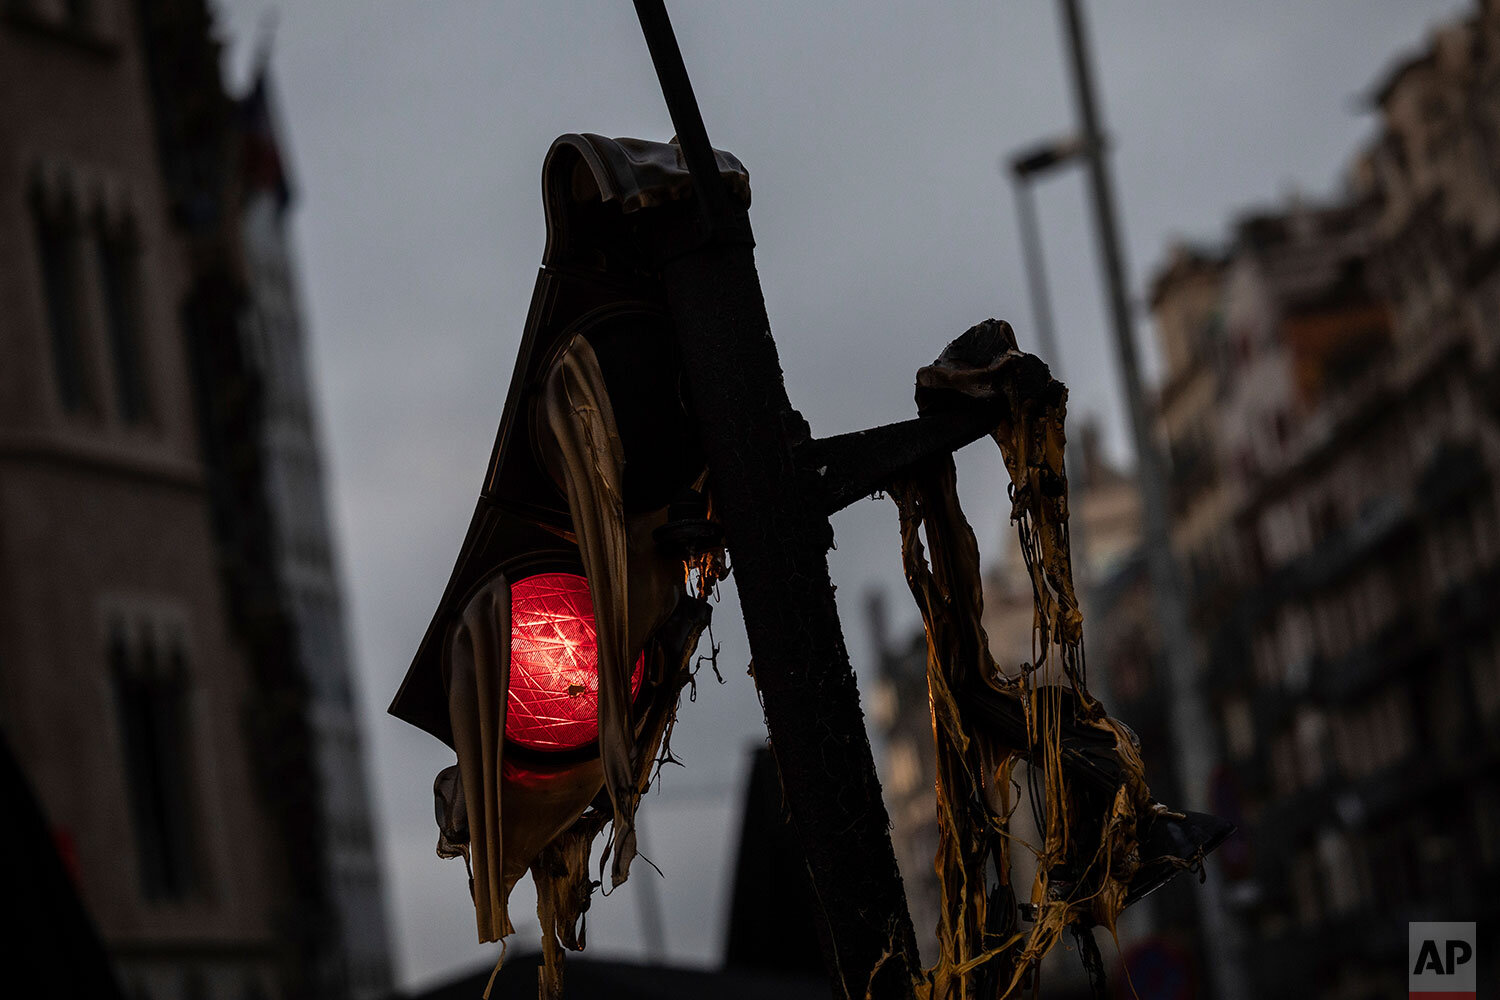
column 848, row 467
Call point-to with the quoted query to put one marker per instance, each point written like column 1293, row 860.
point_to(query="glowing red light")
column 554, row 664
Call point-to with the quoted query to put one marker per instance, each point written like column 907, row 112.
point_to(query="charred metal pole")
column 777, row 528
column 1187, row 710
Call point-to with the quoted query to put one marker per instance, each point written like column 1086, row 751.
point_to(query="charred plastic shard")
column 1103, row 841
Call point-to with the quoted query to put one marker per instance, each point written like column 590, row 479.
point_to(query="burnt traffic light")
column 554, row 662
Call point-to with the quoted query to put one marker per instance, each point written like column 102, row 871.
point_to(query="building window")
column 150, row 679
column 57, row 253
column 1284, row 777
column 119, row 283
column 1305, row 887
column 1339, row 864
column 1239, row 728
column 1311, row 735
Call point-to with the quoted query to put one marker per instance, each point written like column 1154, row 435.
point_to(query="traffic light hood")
column 597, row 278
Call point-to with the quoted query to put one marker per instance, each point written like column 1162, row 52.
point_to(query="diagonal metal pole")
column 779, row 536
column 1187, row 710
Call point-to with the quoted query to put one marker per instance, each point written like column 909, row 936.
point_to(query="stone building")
column 1263, row 344
column 1346, row 552
column 1252, row 337
column 154, row 687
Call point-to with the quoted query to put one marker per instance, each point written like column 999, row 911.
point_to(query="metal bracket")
column 848, row 467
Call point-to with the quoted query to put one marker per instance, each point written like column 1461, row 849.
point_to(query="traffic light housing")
column 554, row 661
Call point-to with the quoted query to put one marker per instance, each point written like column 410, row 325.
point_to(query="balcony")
column 1381, row 520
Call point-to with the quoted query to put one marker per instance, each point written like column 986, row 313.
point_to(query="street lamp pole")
column 1024, row 168
column 1036, row 271
column 1188, row 710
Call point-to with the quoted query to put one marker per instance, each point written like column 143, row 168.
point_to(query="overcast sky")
column 872, row 133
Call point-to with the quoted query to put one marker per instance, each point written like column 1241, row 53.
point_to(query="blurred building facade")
column 908, row 765
column 160, row 681
column 1330, row 409
column 306, row 566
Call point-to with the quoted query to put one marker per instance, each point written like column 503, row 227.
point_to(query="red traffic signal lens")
column 553, row 701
